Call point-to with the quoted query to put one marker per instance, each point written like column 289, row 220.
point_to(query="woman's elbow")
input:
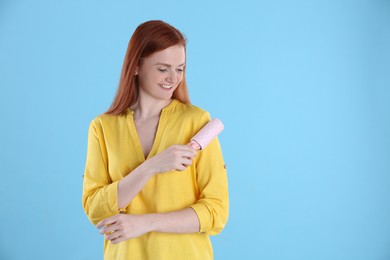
column 219, row 222
column 93, row 212
column 213, row 217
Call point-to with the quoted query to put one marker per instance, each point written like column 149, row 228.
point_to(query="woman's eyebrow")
column 168, row 65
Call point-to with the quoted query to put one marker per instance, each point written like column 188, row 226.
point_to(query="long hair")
column 149, row 37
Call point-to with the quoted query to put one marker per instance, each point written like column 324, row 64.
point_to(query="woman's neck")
column 147, row 108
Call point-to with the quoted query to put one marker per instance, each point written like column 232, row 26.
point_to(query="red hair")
column 148, row 38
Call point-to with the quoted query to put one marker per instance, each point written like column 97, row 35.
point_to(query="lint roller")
column 211, row 130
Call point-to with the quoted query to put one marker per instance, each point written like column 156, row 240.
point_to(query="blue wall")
column 303, row 88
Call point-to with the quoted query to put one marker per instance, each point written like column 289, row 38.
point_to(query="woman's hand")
column 122, row 227
column 176, row 157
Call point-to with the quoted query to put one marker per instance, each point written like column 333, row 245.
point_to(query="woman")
column 171, row 197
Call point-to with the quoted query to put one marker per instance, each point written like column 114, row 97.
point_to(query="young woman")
column 149, row 192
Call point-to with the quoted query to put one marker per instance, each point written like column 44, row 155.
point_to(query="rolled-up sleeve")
column 99, row 192
column 212, row 207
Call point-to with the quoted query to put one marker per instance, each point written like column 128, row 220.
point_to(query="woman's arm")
column 176, row 157
column 123, row 226
column 99, row 192
column 132, row 184
column 103, row 198
column 209, row 214
column 212, row 206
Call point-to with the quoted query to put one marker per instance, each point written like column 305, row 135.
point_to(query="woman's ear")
column 136, row 71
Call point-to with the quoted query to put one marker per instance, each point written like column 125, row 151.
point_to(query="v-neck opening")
column 157, row 138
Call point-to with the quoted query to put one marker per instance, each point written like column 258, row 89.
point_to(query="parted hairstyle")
column 149, row 37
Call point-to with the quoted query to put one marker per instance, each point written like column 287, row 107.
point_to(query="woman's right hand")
column 175, row 157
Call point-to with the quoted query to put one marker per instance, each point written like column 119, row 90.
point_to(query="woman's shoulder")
column 191, row 114
column 190, row 110
column 106, row 120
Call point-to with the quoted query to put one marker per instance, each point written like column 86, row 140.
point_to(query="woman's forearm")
column 132, row 184
column 183, row 221
column 122, row 227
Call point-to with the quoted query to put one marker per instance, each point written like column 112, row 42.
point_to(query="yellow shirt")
column 114, row 150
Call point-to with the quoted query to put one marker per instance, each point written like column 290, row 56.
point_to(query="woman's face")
column 160, row 73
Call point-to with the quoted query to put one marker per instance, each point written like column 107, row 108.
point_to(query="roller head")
column 211, row 130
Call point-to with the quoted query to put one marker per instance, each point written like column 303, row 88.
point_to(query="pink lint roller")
column 207, row 134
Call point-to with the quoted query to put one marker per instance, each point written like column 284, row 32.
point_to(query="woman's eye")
column 180, row 70
column 162, row 69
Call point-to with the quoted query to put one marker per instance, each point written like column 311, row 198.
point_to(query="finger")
column 183, row 166
column 185, row 148
column 187, row 164
column 194, row 145
column 118, row 240
column 101, row 224
column 180, row 168
column 109, row 229
column 181, row 161
column 189, row 154
column 106, row 222
column 113, row 236
column 186, row 161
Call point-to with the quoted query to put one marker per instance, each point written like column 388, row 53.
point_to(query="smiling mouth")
column 165, row 86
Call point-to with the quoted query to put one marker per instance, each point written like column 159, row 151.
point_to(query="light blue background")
column 303, row 88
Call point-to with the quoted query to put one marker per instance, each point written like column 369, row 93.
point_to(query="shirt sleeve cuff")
column 203, row 215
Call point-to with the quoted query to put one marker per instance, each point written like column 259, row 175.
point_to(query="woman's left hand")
column 122, row 227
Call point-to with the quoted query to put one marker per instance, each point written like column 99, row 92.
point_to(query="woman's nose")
column 172, row 77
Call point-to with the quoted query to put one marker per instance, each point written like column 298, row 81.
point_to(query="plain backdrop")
column 303, row 88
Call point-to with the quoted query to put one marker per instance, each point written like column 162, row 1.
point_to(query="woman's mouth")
column 165, row 86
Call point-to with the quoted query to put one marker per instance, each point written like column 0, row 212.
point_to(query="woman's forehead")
column 173, row 56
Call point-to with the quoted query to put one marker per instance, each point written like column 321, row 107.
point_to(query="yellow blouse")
column 114, row 150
